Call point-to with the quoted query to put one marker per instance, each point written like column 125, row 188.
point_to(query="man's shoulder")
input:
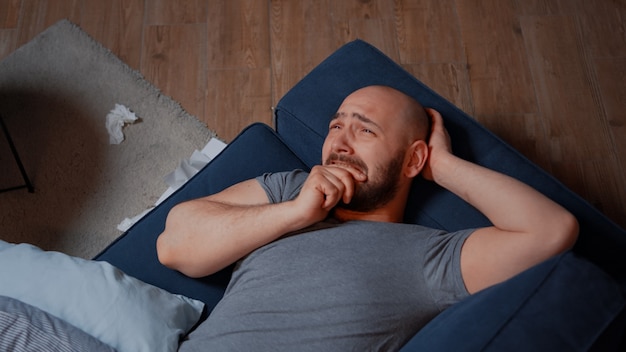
column 284, row 185
column 284, row 175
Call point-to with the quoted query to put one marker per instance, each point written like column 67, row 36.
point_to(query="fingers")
column 436, row 118
column 439, row 134
column 440, row 147
column 334, row 184
column 338, row 184
column 348, row 179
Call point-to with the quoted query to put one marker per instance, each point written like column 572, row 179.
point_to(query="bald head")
column 409, row 112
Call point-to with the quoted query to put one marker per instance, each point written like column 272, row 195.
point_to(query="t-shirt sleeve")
column 442, row 268
column 282, row 186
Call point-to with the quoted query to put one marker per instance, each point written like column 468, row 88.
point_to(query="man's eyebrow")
column 358, row 116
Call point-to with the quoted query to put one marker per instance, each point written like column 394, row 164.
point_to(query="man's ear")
column 416, row 158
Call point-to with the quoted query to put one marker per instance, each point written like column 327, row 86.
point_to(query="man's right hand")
column 325, row 187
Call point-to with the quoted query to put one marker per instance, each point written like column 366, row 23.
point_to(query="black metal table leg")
column 27, row 184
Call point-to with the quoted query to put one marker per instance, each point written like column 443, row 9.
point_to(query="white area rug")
column 55, row 93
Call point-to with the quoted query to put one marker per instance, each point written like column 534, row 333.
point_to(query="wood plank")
column 524, row 132
column 569, row 98
column 301, row 37
column 374, row 31
column 8, row 42
column 37, row 15
column 236, row 98
column 173, row 60
column 428, row 32
column 608, row 194
column 567, row 94
column 372, row 21
column 365, row 10
column 237, row 34
column 545, row 7
column 238, row 62
column 113, row 24
column 162, row 12
column 603, row 27
column 611, row 75
column 449, row 80
column 498, row 68
column 591, row 179
column 9, row 13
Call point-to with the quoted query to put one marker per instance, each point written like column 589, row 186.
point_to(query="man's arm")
column 205, row 235
column 528, row 227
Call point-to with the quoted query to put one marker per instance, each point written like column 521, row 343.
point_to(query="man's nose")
column 342, row 143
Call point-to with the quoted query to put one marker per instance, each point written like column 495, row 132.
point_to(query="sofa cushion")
column 256, row 150
column 563, row 304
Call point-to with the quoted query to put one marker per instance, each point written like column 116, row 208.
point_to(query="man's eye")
column 368, row 131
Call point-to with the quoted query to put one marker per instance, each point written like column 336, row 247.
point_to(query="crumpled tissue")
column 188, row 168
column 116, row 119
column 177, row 178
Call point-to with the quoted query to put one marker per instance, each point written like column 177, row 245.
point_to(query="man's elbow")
column 178, row 259
column 565, row 233
column 169, row 251
column 165, row 252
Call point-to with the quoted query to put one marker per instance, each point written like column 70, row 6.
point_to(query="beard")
column 378, row 190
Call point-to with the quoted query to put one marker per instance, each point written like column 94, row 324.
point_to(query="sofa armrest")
column 563, row 304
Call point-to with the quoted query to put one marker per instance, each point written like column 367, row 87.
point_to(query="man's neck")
column 379, row 215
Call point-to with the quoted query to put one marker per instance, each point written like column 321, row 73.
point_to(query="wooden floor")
column 548, row 76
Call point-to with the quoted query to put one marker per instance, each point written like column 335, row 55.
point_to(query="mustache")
column 352, row 161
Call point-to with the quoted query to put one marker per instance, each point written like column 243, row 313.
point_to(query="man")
column 324, row 262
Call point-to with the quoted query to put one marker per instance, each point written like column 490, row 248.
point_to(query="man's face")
column 380, row 187
column 364, row 135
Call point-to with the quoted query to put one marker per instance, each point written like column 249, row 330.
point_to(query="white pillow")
column 119, row 310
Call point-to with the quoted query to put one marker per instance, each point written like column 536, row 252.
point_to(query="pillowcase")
column 119, row 310
column 26, row 328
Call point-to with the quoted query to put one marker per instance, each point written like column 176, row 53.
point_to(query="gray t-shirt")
column 353, row 286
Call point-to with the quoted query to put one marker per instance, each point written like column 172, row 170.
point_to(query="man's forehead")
column 371, row 103
column 356, row 115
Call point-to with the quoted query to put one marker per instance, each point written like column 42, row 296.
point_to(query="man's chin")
column 356, row 206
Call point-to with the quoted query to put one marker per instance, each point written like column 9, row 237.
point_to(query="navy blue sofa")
column 575, row 301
